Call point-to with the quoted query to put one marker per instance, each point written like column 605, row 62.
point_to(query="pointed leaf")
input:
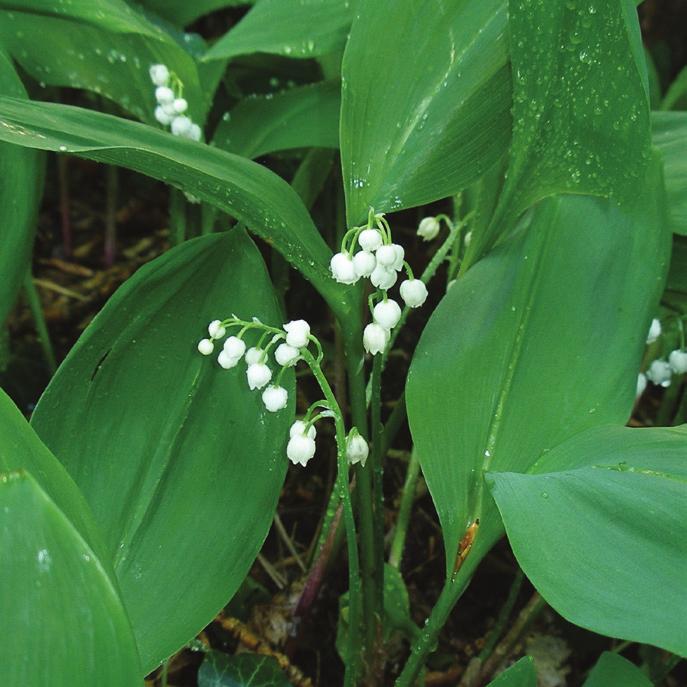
column 179, row 460
column 242, row 670
column 670, row 137
column 433, row 114
column 612, row 670
column 521, row 674
column 601, row 531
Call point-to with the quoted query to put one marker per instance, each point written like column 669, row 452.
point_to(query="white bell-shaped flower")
column 235, row 347
column 678, row 361
column 258, row 375
column 357, row 449
column 370, row 240
column 181, row 125
column 162, row 116
column 164, row 95
column 654, row 330
column 375, row 338
column 255, row 355
column 387, row 256
column 400, row 255
column 300, row 449
column 641, row 384
column 205, row 346
column 159, row 74
column 297, row 333
column 195, row 133
column 364, row 263
column 227, row 361
column 298, row 427
column 180, row 105
column 286, row 355
column 413, row 292
column 659, row 373
column 387, row 313
column 342, row 268
column 216, row 330
column 383, row 277
column 275, row 398
column 428, row 228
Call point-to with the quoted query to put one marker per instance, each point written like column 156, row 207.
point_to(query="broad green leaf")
column 104, row 46
column 183, row 12
column 540, row 340
column 600, row 529
column 612, row 670
column 580, row 106
column 241, row 670
column 305, row 117
column 181, row 463
column 260, row 199
column 63, row 623
column 308, row 28
column 521, row 674
column 432, row 114
column 670, row 137
column 21, row 172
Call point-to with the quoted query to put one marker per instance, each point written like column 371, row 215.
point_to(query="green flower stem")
column 354, row 586
column 36, row 308
column 177, row 217
column 504, row 615
column 407, row 499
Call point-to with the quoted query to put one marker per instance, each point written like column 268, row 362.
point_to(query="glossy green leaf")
column 305, row 117
column 63, row 624
column 21, row 172
column 104, row 46
column 670, row 137
column 303, row 29
column 242, row 670
column 580, row 106
column 260, row 199
column 612, row 670
column 181, row 463
column 676, row 97
column 183, row 12
column 600, row 529
column 432, row 115
column 521, row 674
column 538, row 341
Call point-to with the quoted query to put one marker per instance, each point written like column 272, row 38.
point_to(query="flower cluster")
column 171, row 106
column 290, row 344
column 379, row 260
column 660, row 371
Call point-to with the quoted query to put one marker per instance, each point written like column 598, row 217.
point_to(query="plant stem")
column 177, row 217
column 407, row 499
column 503, row 616
column 63, row 182
column 36, row 308
column 112, row 183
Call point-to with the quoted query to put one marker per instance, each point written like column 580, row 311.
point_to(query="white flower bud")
column 678, row 361
column 413, row 292
column 168, row 109
column 428, row 228
column 235, row 347
column 300, row 449
column 216, row 330
column 297, row 333
column 387, row 256
column 195, row 133
column 255, row 355
column 159, row 74
column 383, row 278
column 400, row 255
column 375, row 338
column 357, row 449
column 258, row 374
column 180, row 105
column 641, row 384
column 164, row 95
column 298, row 427
column 227, row 361
column 205, row 346
column 659, row 373
column 468, row 238
column 364, row 263
column 181, row 125
column 162, row 116
column 342, row 269
column 387, row 313
column 654, row 331
column 275, row 398
column 370, row 240
column 286, row 355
